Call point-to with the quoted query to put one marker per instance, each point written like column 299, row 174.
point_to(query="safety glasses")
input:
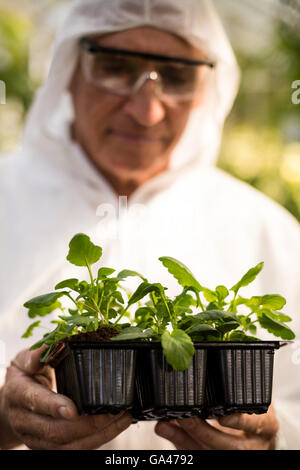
column 124, row 72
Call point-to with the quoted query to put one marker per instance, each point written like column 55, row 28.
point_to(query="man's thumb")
column 29, row 361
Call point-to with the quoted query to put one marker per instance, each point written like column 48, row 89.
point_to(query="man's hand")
column 32, row 414
column 234, row 432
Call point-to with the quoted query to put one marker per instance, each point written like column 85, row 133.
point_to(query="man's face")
column 130, row 138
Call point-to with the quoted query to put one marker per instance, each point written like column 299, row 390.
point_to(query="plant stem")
column 173, row 319
column 123, row 311
column 70, row 297
column 96, row 311
column 100, row 301
column 90, row 272
column 232, row 306
column 200, row 303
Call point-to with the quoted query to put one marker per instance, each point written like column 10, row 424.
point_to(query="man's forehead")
column 150, row 40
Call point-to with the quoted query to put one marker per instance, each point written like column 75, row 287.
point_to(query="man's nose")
column 145, row 106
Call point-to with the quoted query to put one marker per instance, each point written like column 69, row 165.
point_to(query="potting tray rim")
column 269, row 344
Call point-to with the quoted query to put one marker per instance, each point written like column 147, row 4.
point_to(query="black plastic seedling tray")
column 239, row 377
column 223, row 378
column 162, row 392
column 98, row 377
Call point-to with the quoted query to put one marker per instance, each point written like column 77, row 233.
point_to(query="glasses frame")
column 93, row 48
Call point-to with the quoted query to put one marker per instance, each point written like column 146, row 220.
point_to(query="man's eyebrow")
column 93, row 48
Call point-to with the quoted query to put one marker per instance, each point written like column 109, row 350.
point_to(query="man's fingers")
column 38, row 399
column 242, row 422
column 96, row 440
column 104, row 429
column 29, row 361
column 209, row 436
column 178, row 436
column 60, row 431
column 264, row 425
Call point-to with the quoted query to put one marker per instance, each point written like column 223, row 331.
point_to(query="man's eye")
column 115, row 66
column 112, row 68
column 175, row 75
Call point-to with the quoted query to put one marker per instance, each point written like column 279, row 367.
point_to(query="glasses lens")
column 183, row 81
column 178, row 79
column 120, row 74
column 116, row 73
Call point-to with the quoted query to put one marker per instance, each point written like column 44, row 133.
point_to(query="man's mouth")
column 136, row 138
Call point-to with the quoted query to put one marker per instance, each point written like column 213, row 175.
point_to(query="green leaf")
column 128, row 273
column 252, row 329
column 82, row 251
column 180, row 310
column 181, row 273
column 185, row 300
column 212, row 306
column 228, row 326
column 144, row 317
column 243, row 301
column 112, row 313
column 79, row 320
column 118, row 296
column 213, row 315
column 103, row 273
column 143, row 312
column 30, row 329
column 202, row 328
column 73, row 311
column 275, row 327
column 48, row 338
column 70, row 283
column 178, row 349
column 45, row 354
column 210, row 295
column 133, row 332
column 44, row 300
column 272, row 301
column 241, row 336
column 84, row 287
column 144, row 289
column 43, row 311
column 222, row 292
column 248, row 277
column 277, row 315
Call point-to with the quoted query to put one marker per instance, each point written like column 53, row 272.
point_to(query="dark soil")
column 102, row 334
column 61, row 349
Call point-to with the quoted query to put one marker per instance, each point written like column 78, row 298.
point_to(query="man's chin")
column 137, row 163
column 135, row 174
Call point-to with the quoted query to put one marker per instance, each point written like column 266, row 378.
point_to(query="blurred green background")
column 261, row 143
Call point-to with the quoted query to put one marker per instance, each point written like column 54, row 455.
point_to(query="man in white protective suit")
column 144, row 122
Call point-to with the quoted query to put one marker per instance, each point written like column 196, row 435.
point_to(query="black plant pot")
column 162, row 392
column 239, row 377
column 223, row 378
column 98, row 377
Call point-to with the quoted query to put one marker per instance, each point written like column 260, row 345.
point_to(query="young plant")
column 220, row 313
column 96, row 304
column 177, row 325
column 156, row 319
column 196, row 314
